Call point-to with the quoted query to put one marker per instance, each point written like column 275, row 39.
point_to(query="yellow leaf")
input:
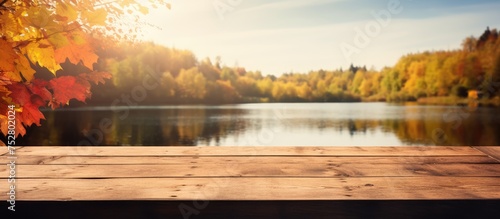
column 53, row 27
column 38, row 17
column 8, row 56
column 13, row 76
column 96, row 17
column 78, row 38
column 58, row 40
column 8, row 24
column 144, row 10
column 23, row 67
column 66, row 10
column 43, row 55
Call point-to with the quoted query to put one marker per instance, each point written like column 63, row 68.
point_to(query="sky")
column 282, row 36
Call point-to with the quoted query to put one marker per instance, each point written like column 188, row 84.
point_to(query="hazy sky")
column 276, row 36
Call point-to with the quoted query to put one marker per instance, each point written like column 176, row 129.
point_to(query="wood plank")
column 3, row 150
column 369, row 188
column 493, row 151
column 328, row 170
column 202, row 160
column 251, row 151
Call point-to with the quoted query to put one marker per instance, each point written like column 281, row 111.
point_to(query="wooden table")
column 254, row 173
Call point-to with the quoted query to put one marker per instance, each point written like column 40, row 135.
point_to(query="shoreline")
column 443, row 100
column 450, row 100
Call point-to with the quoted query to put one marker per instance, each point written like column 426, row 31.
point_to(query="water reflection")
column 270, row 124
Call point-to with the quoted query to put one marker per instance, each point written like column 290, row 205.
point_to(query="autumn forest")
column 445, row 77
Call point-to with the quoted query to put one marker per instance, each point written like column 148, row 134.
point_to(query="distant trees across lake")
column 154, row 74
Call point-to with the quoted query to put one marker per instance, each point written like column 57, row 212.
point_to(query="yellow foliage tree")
column 191, row 83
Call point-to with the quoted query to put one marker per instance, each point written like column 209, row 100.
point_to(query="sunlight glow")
column 282, row 36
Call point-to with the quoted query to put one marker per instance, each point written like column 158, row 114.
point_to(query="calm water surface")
column 276, row 124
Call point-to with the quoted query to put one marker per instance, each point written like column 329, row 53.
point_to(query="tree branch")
column 3, row 2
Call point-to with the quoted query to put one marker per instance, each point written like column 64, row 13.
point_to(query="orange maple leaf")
column 30, row 113
column 19, row 93
column 66, row 88
column 76, row 53
column 20, row 130
column 96, row 77
column 8, row 57
column 4, row 80
column 39, row 87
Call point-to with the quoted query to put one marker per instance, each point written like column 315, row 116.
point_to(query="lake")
column 270, row 124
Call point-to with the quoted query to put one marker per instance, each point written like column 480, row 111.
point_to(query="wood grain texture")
column 3, row 150
column 366, row 188
column 254, row 173
column 328, row 170
column 201, row 160
column 250, row 151
column 492, row 151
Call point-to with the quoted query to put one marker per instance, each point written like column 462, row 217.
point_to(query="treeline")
column 183, row 78
column 476, row 66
